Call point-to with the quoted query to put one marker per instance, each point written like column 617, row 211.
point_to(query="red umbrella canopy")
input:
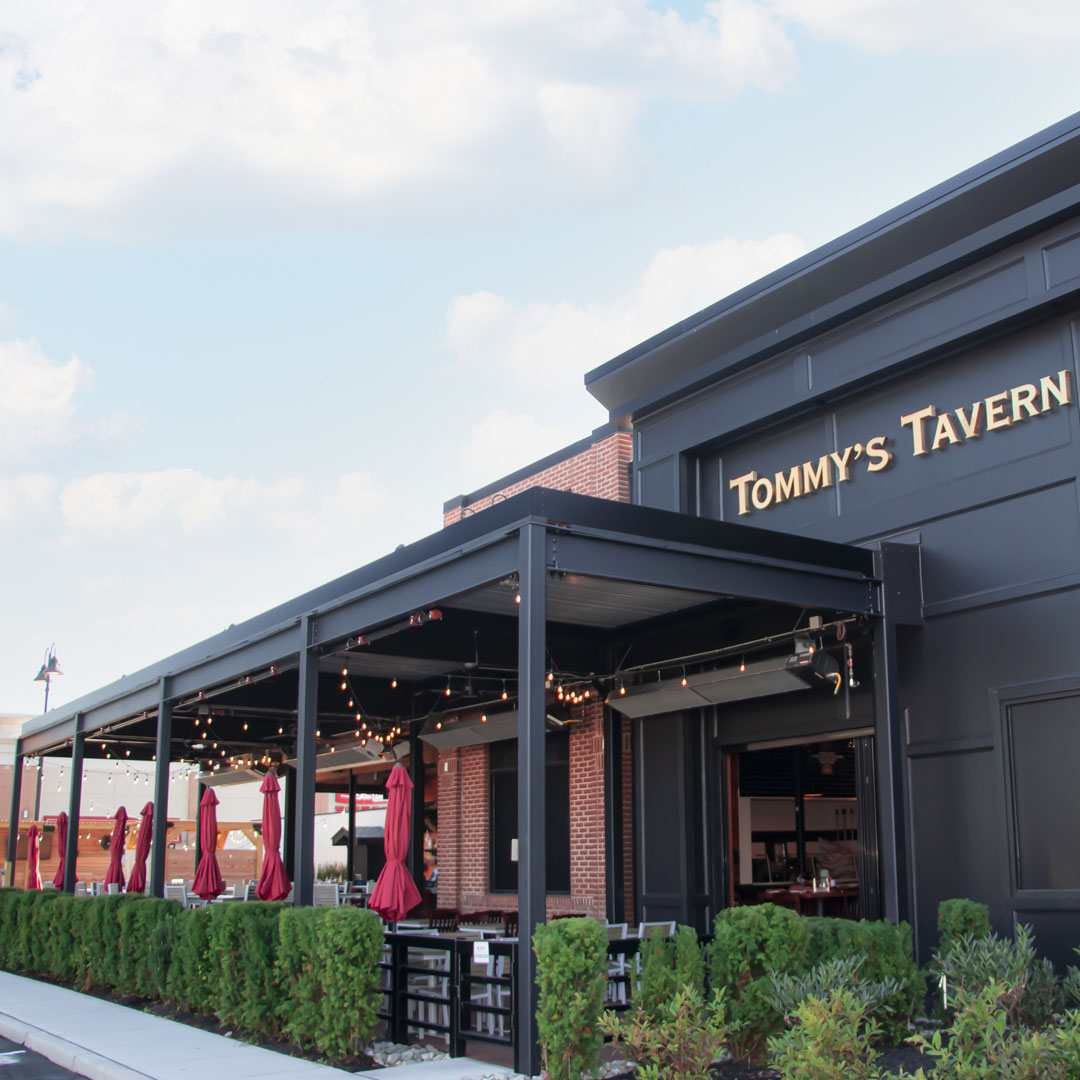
column 208, row 883
column 115, row 874
column 33, row 859
column 395, row 893
column 137, row 881
column 274, row 883
column 61, row 843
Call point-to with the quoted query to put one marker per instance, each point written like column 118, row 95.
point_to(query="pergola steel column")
column 307, row 709
column 71, row 847
column 13, row 817
column 888, row 753
column 350, row 847
column 416, row 774
column 899, row 569
column 162, row 753
column 532, row 834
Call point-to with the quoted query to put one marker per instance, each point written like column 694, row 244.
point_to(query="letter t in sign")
column 743, row 484
column 915, row 421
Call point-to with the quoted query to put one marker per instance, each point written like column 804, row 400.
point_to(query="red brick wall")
column 465, row 826
column 602, row 471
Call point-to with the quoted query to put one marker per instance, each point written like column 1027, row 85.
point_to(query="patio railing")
column 433, row 987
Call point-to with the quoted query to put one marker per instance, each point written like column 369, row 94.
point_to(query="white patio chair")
column 80, row 888
column 177, row 892
column 643, row 929
column 113, row 888
column 618, row 967
column 325, row 894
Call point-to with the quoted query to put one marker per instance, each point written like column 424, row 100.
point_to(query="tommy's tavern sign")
column 928, row 431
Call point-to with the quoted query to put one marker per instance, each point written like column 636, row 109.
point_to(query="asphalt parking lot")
column 18, row 1063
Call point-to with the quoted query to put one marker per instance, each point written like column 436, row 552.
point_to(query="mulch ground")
column 896, row 1061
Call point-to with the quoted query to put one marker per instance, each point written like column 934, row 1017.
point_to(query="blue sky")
column 276, row 280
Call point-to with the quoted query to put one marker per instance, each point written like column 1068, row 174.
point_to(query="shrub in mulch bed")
column 307, row 975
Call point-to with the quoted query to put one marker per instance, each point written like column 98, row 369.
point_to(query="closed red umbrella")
column 395, row 893
column 115, row 873
column 33, row 859
column 61, row 843
column 274, row 883
column 208, row 883
column 137, row 881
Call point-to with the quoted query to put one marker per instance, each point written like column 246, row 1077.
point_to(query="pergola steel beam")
column 71, row 846
column 532, row 770
column 764, row 580
column 384, row 602
column 307, row 719
column 262, row 653
column 163, row 752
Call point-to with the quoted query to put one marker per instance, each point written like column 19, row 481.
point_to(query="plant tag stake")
column 943, row 982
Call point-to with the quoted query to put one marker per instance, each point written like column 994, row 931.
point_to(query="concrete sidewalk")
column 103, row 1041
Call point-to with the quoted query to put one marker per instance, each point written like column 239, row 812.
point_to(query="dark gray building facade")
column 915, row 382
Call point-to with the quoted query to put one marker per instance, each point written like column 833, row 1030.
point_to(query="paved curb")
column 67, row 1055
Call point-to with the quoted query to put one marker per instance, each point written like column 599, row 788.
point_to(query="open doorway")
column 797, row 830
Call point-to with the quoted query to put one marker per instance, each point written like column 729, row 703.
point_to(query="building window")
column 1044, row 738
column 504, row 808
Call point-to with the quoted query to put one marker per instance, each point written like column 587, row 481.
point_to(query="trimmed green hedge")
column 309, row 974
column 887, row 951
column 571, row 965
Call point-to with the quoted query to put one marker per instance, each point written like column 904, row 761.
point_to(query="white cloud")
column 504, row 441
column 37, row 402
column 550, row 343
column 128, row 502
column 108, row 107
column 25, row 495
column 943, row 26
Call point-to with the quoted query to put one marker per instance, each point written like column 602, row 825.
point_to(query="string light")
column 393, row 684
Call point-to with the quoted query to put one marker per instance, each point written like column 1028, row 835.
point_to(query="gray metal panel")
column 580, row 600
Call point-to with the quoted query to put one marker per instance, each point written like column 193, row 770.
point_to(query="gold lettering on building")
column 931, row 431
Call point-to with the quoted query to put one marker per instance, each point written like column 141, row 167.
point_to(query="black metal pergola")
column 470, row 617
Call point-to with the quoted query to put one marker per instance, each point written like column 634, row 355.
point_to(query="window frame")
column 1003, row 699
